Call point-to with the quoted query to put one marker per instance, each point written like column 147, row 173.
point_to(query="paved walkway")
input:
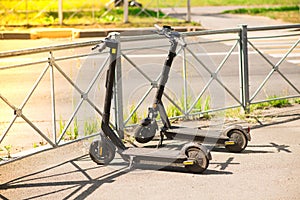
column 267, row 169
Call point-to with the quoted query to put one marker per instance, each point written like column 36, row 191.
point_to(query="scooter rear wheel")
column 101, row 152
column 239, row 139
column 200, row 160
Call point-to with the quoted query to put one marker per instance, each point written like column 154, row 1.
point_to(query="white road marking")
column 294, row 61
column 291, row 55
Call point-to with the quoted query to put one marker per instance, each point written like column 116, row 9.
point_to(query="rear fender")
column 198, row 146
column 244, row 130
column 146, row 121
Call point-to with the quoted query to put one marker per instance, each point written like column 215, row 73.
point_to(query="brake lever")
column 95, row 47
column 100, row 47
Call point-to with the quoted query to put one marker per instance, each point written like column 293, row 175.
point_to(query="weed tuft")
column 263, row 10
column 71, row 133
column 134, row 118
column 297, row 100
column 91, row 127
column 173, row 111
column 279, row 103
column 8, row 150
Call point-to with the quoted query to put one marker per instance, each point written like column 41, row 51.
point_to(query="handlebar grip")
column 100, row 47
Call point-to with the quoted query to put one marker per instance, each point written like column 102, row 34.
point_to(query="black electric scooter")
column 193, row 156
column 235, row 138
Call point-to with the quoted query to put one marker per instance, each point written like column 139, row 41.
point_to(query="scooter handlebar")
column 100, row 46
column 165, row 30
column 169, row 33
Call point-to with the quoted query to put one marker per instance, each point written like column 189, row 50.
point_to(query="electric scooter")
column 235, row 138
column 193, row 156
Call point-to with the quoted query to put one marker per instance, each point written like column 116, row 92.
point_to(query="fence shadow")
column 281, row 119
column 88, row 181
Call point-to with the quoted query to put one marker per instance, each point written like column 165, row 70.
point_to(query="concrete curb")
column 14, row 35
column 82, row 33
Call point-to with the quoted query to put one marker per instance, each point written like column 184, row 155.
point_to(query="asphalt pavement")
column 267, row 169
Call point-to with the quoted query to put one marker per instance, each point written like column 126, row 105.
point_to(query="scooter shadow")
column 139, row 167
column 171, row 169
column 213, row 149
column 246, row 151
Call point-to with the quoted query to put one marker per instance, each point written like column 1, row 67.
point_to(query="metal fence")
column 237, row 55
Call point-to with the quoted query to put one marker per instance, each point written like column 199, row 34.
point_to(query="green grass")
column 291, row 16
column 71, row 132
column 272, row 103
column 44, row 12
column 279, row 103
column 201, row 105
column 82, row 5
column 50, row 4
column 235, row 113
column 285, row 13
column 91, row 127
column 263, row 10
column 258, row 107
column 88, row 17
column 182, row 3
column 173, row 111
column 8, row 150
column 134, row 117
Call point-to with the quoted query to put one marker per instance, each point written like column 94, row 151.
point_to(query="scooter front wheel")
column 197, row 161
column 101, row 152
column 145, row 133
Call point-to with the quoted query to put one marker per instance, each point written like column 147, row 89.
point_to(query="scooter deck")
column 160, row 153
column 195, row 134
column 156, row 157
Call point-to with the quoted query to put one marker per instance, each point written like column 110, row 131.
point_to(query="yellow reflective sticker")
column 113, row 51
column 188, row 162
column 229, row 143
column 100, row 151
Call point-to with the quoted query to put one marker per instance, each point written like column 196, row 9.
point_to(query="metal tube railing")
column 47, row 49
column 237, row 35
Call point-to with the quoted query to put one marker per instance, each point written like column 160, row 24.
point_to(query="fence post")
column 60, row 12
column 188, row 14
column 118, row 94
column 52, row 84
column 125, row 8
column 244, row 68
column 185, row 92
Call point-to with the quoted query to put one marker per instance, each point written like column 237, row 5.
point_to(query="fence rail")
column 237, row 42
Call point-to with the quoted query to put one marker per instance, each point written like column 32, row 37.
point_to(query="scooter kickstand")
column 160, row 142
column 131, row 163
